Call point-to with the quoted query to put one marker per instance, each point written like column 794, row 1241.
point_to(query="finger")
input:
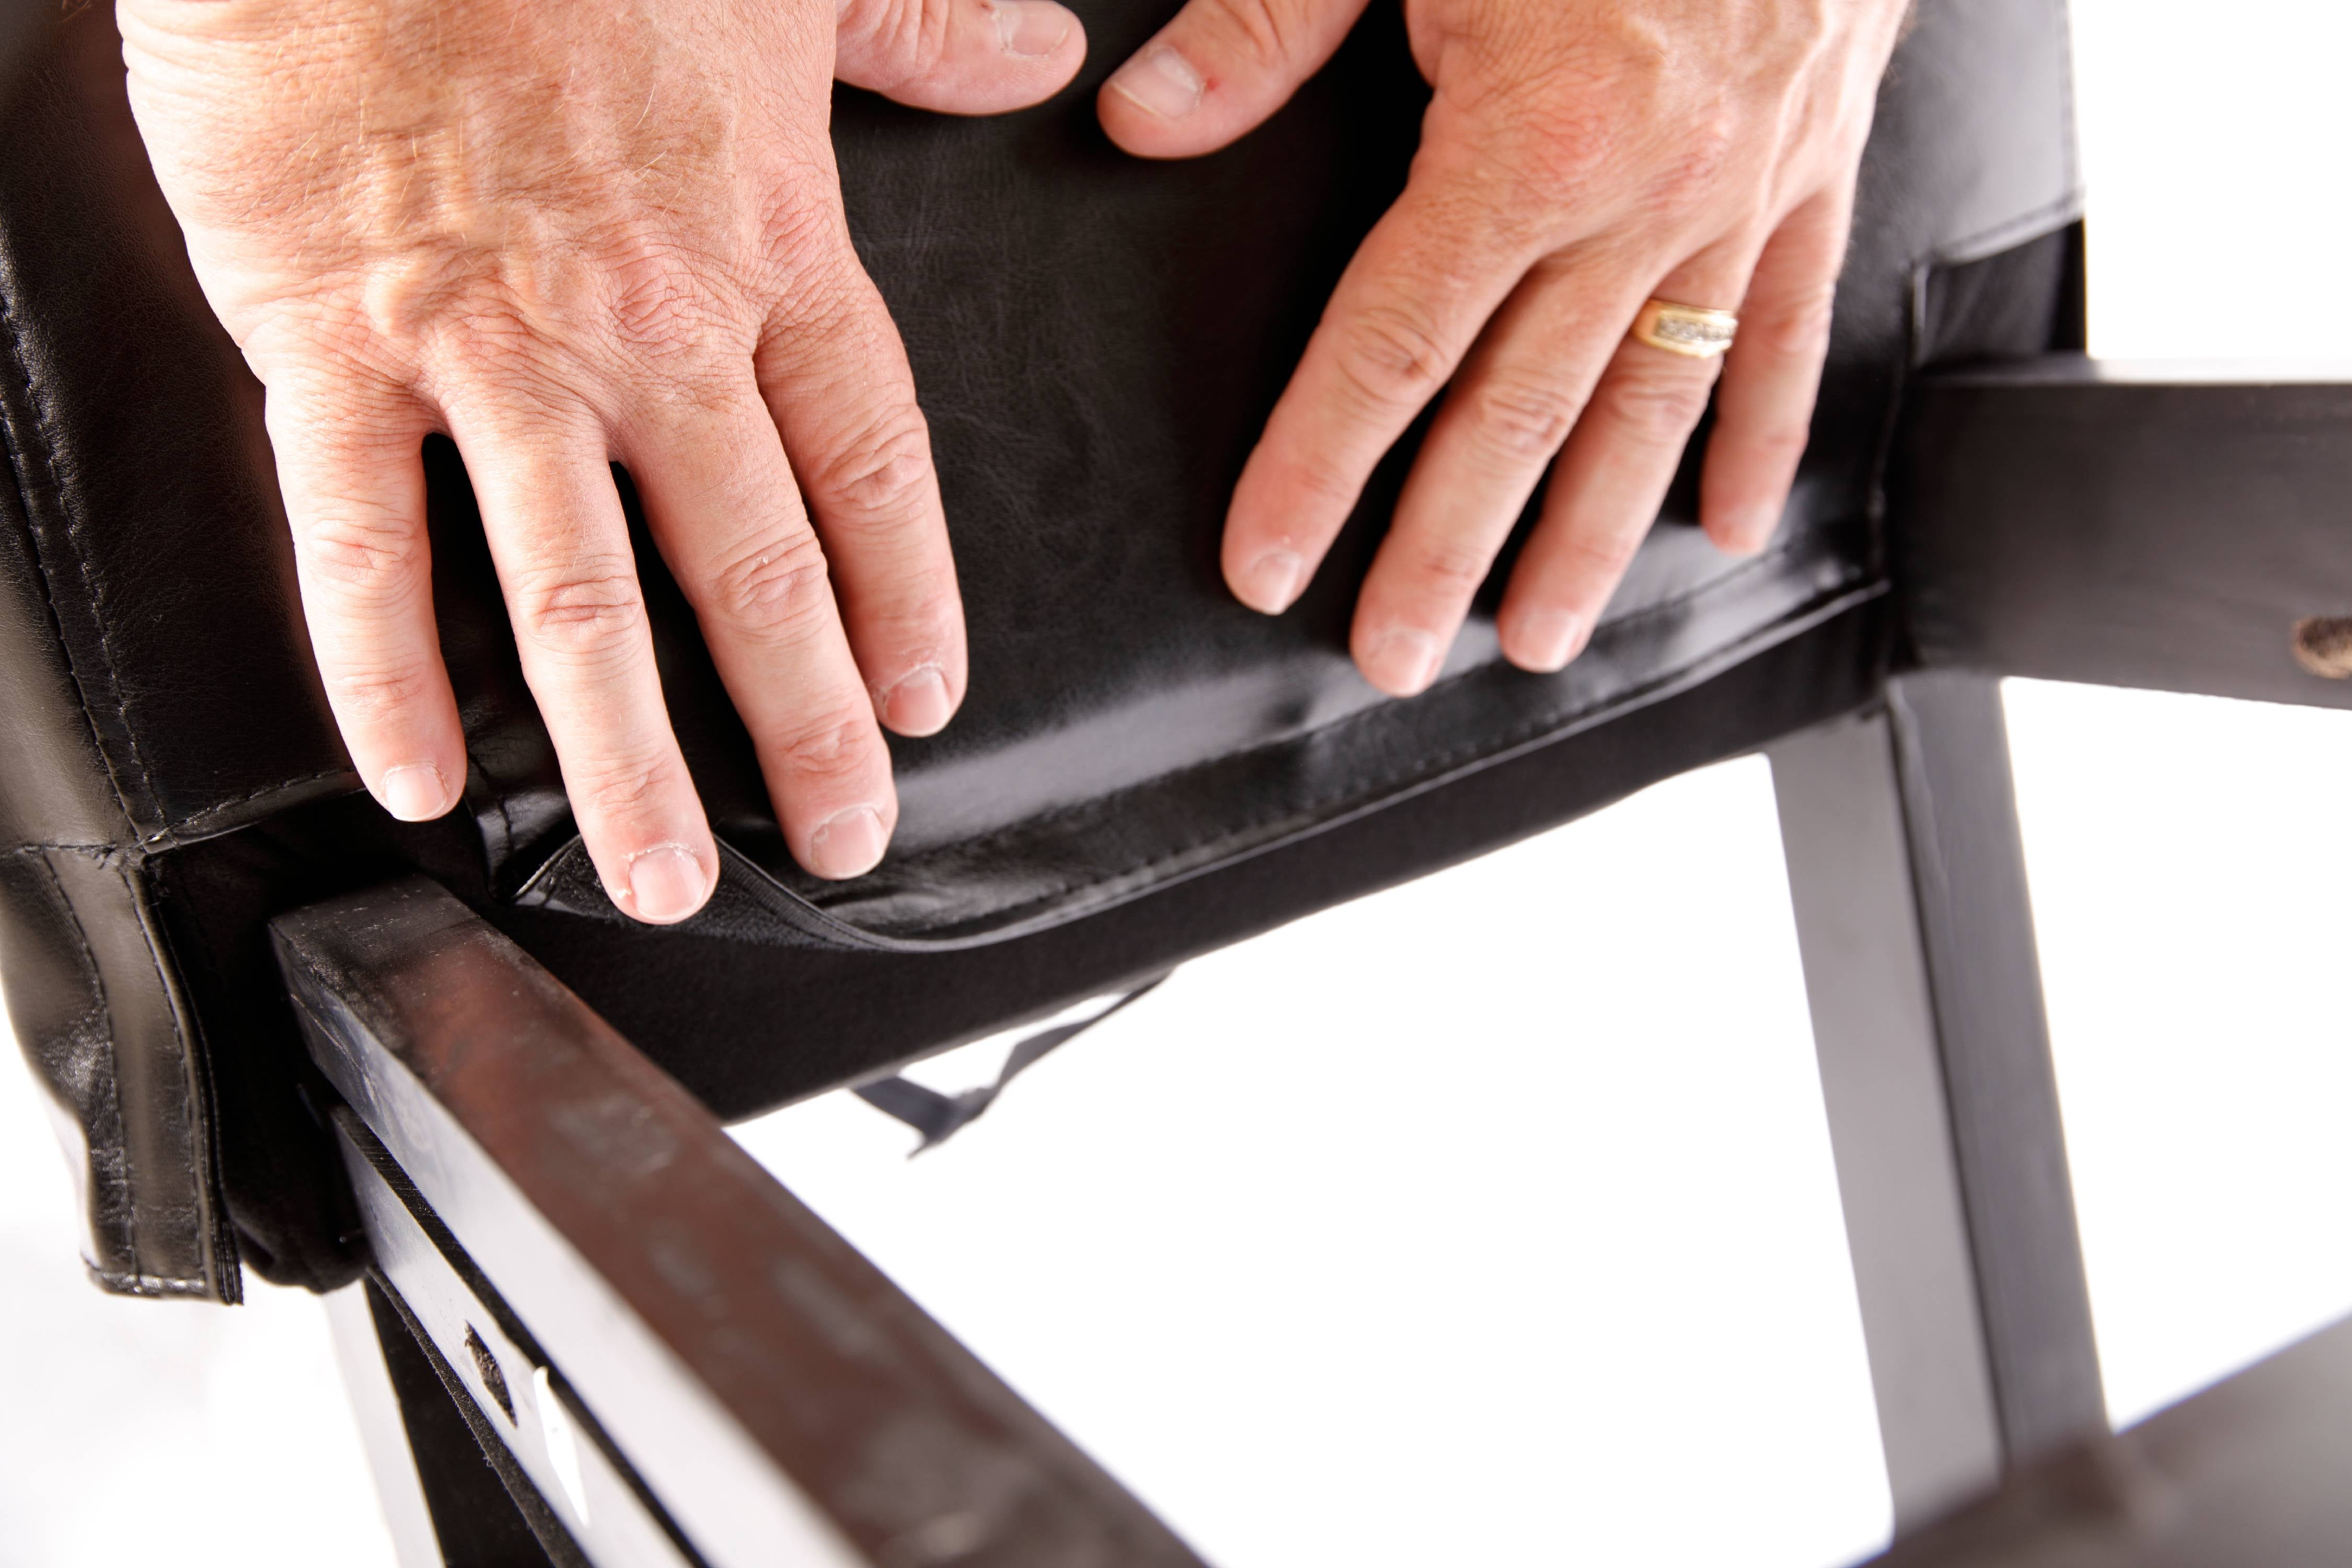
column 1424, row 283
column 959, row 57
column 721, row 496
column 1612, row 475
column 561, row 549
column 1764, row 413
column 354, row 488
column 1509, row 410
column 1218, row 71
column 837, row 386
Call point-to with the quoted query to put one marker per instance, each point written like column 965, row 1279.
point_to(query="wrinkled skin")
column 568, row 235
column 1579, row 156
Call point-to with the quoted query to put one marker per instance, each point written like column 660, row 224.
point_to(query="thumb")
column 959, row 57
column 1219, row 69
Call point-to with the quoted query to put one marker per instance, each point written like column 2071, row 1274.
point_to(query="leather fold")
column 1142, row 769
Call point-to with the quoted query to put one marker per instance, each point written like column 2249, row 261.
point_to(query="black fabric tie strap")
column 940, row 1117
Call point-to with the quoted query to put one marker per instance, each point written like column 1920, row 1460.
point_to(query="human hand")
column 567, row 235
column 1578, row 158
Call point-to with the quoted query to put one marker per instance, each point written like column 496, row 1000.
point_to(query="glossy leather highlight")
column 1143, row 769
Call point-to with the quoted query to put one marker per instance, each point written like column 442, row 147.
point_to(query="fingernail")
column 1548, row 639
column 666, row 884
column 918, row 704
column 413, row 792
column 1161, row 80
column 1271, row 582
column 1030, row 29
column 849, row 845
column 1401, row 662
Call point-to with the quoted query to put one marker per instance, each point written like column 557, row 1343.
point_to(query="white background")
column 1493, row 1219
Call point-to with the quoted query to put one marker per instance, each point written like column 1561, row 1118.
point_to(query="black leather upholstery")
column 1143, row 769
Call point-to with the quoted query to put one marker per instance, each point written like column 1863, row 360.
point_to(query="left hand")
column 1578, row 158
column 564, row 239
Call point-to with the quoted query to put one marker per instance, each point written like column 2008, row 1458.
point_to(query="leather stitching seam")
column 149, row 1284
column 220, row 808
column 19, row 457
column 1362, row 790
column 1609, row 631
column 93, row 587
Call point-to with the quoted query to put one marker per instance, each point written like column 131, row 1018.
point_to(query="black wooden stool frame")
column 585, row 1291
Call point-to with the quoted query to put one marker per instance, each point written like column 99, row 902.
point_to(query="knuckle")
column 658, row 304
column 1265, row 29
column 588, row 609
column 1705, row 146
column 1659, row 405
column 883, row 475
column 365, row 695
column 500, row 371
column 1798, row 328
column 776, row 586
column 372, row 558
column 802, row 238
column 1601, row 555
column 1392, row 356
column 484, row 328
column 839, row 747
column 1450, row 568
column 313, row 345
column 1522, row 418
column 1780, row 442
column 634, row 290
column 1558, row 151
column 1321, row 483
column 906, row 39
column 626, row 786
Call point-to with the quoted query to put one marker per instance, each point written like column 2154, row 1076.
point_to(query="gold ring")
column 1687, row 329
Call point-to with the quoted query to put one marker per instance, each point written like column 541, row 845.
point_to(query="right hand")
column 566, row 235
column 1578, row 158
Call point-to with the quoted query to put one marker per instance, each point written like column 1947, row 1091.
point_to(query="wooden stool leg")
column 1908, row 883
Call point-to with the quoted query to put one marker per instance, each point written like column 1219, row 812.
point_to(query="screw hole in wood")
column 488, row 1365
column 2322, row 645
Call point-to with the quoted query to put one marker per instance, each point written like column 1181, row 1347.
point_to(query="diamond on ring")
column 1691, row 331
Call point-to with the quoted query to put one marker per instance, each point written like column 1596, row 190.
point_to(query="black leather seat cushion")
column 1143, row 769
